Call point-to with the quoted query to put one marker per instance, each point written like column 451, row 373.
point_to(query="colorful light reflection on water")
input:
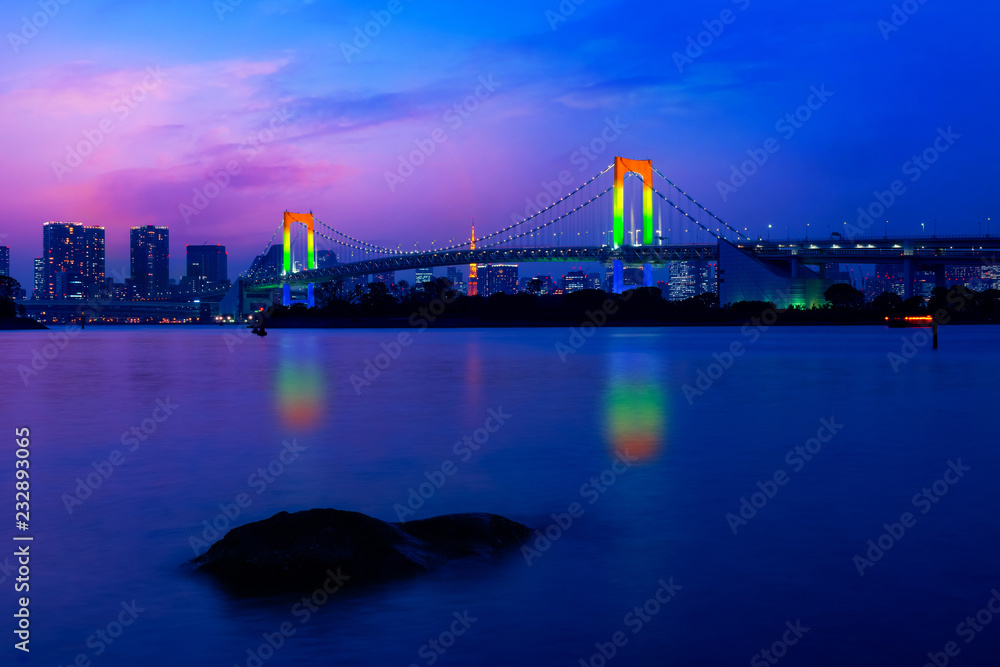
column 635, row 407
column 300, row 386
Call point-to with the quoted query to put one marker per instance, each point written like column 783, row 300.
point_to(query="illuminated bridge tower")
column 307, row 220
column 473, row 288
column 644, row 169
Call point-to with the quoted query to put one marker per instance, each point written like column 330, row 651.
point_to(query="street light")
column 769, row 232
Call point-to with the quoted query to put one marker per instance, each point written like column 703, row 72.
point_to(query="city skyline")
column 331, row 121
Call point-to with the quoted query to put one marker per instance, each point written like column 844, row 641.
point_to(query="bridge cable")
column 727, row 225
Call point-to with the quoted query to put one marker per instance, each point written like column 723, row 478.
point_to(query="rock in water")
column 292, row 552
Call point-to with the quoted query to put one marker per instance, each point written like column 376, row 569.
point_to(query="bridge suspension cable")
column 547, row 224
column 685, row 213
column 370, row 247
column 693, row 201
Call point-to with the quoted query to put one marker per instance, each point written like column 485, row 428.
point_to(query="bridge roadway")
column 599, row 255
column 926, row 250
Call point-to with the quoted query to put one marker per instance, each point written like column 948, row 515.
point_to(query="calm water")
column 239, row 399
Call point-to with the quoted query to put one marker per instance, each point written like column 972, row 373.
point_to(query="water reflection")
column 635, row 406
column 300, row 384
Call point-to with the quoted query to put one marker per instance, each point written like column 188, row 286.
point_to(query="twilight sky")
column 163, row 95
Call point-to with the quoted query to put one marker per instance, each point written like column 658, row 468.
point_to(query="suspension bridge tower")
column 305, row 219
column 643, row 169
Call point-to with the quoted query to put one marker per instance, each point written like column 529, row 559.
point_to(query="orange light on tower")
column 473, row 280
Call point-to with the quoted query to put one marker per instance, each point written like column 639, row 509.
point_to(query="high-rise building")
column 574, row 281
column 496, row 279
column 424, row 275
column 593, row 281
column 93, row 273
column 269, row 265
column 325, row 259
column 548, row 286
column 73, row 257
column 4, row 260
column 688, row 279
column 631, row 277
column 39, row 279
column 389, row 278
column 149, row 250
column 209, row 263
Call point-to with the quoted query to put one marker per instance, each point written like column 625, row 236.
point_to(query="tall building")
column 149, row 251
column 496, row 279
column 456, row 278
column 325, row 259
column 4, row 260
column 424, row 275
column 73, row 257
column 548, row 286
column 389, row 278
column 94, row 262
column 269, row 265
column 209, row 263
column 688, row 279
column 39, row 283
column 574, row 281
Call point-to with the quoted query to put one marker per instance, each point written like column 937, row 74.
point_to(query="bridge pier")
column 647, row 275
column 618, row 280
column 907, row 277
column 286, row 295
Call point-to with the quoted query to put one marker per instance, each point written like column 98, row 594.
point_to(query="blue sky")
column 344, row 123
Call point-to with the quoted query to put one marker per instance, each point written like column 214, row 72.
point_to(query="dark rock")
column 300, row 551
